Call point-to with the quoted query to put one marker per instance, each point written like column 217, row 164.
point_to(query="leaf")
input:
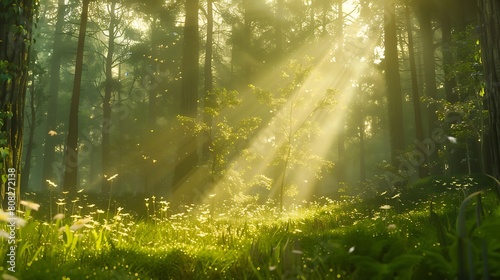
column 4, row 152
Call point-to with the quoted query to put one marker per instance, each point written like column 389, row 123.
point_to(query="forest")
column 250, row 139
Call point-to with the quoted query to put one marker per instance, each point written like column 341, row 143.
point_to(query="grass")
column 393, row 237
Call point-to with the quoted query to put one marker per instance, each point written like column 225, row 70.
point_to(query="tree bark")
column 53, row 97
column 31, row 136
column 208, row 81
column 424, row 15
column 489, row 19
column 15, row 40
column 417, row 107
column 71, row 154
column 393, row 83
column 187, row 151
column 279, row 18
column 106, row 104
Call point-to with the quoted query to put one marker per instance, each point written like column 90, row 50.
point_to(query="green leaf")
column 4, row 152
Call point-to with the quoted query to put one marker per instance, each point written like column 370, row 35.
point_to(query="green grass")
column 388, row 238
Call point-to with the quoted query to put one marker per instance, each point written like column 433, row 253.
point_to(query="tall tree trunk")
column 393, row 83
column 312, row 20
column 489, row 18
column 53, row 97
column 153, row 89
column 208, row 81
column 31, row 136
column 340, row 169
column 15, row 41
column 424, row 15
column 362, row 153
column 106, row 104
column 279, row 17
column 187, row 151
column 417, row 108
column 71, row 154
column 446, row 40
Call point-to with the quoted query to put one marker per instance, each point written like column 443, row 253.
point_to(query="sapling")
column 294, row 110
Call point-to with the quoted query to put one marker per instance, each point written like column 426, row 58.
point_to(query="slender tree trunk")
column 279, row 17
column 187, row 151
column 53, row 97
column 246, row 45
column 71, row 155
column 208, row 86
column 31, row 136
column 153, row 89
column 417, row 108
column 312, row 20
column 489, row 19
column 393, row 83
column 430, row 84
column 208, row 81
column 362, row 153
column 340, row 168
column 108, row 88
column 446, row 40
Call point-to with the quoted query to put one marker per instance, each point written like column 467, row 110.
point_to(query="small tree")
column 294, row 110
column 227, row 137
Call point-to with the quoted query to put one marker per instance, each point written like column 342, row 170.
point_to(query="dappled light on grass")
column 325, row 238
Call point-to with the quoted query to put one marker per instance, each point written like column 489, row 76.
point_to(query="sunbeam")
column 324, row 77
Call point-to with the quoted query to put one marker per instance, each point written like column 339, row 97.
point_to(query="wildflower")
column 298, row 252
column 4, row 234
column 351, row 249
column 99, row 211
column 59, row 216
column 385, row 207
column 52, row 133
column 392, row 227
column 3, row 215
column 20, row 222
column 79, row 224
column 51, row 184
column 30, row 205
column 112, row 177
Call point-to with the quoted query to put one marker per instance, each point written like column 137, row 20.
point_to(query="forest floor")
column 438, row 228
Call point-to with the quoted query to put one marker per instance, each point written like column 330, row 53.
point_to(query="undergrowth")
column 450, row 234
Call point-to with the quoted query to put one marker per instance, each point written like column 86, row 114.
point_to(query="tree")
column 33, row 114
column 424, row 10
column 208, row 73
column 16, row 19
column 393, row 83
column 71, row 154
column 489, row 19
column 53, row 96
column 106, row 104
column 417, row 109
column 187, row 153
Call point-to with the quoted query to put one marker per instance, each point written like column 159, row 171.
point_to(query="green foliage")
column 226, row 136
column 294, row 109
column 325, row 239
